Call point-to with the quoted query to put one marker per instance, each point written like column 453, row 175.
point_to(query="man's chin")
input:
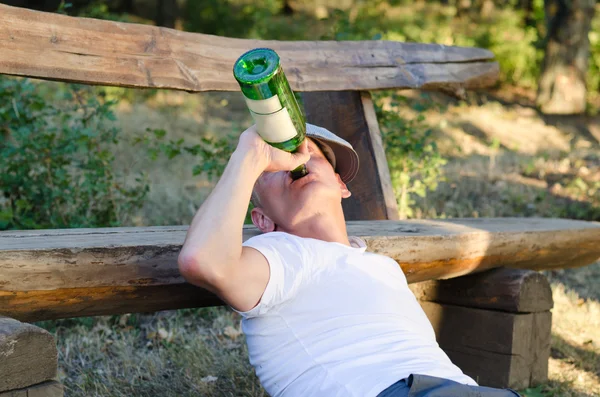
column 314, row 193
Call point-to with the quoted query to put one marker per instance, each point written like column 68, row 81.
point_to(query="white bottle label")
column 275, row 127
column 264, row 106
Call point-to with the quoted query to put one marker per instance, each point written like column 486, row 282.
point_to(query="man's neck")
column 327, row 226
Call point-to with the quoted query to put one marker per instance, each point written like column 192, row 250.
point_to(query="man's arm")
column 212, row 255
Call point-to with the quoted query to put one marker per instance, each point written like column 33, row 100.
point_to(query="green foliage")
column 517, row 47
column 413, row 157
column 56, row 161
column 593, row 75
column 231, row 18
column 343, row 26
column 534, row 392
column 213, row 152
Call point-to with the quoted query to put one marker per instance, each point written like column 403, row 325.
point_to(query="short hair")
column 254, row 198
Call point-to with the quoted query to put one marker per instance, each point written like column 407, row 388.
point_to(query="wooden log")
column 510, row 290
column 28, row 355
column 46, row 389
column 490, row 368
column 95, row 301
column 58, row 47
column 47, row 274
column 540, row 347
column 351, row 115
column 497, row 349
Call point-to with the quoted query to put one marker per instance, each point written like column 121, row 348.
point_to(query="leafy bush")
column 210, row 156
column 516, row 46
column 231, row 18
column 56, row 168
column 593, row 75
column 413, row 157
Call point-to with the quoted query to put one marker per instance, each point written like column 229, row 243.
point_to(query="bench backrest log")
column 66, row 273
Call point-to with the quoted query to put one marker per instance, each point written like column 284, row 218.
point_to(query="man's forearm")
column 215, row 235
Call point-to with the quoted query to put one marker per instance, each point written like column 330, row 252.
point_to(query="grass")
column 506, row 159
column 197, row 352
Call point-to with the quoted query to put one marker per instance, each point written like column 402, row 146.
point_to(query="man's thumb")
column 300, row 158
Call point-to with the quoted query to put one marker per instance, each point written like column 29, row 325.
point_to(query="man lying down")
column 321, row 315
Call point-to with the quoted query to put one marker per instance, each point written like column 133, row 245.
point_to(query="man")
column 322, row 316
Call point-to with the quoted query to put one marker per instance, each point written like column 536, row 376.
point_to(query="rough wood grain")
column 383, row 170
column 480, row 329
column 95, row 301
column 28, row 355
column 540, row 347
column 46, row 389
column 489, row 368
column 426, row 249
column 510, row 290
column 58, row 47
column 47, row 274
column 466, row 334
column 345, row 114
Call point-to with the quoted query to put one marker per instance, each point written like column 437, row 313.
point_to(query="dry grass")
column 506, row 159
column 180, row 353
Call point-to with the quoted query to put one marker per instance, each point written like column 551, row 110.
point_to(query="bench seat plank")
column 77, row 272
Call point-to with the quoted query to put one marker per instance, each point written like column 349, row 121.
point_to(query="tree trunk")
column 166, row 13
column 126, row 6
column 562, row 87
column 287, row 8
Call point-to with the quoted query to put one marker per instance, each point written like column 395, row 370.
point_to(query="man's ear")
column 345, row 192
column 261, row 220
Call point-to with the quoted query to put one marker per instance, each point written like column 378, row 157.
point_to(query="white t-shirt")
column 337, row 321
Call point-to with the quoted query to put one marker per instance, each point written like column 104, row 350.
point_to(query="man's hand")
column 212, row 255
column 270, row 158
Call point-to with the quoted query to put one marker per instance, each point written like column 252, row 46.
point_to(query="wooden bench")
column 495, row 324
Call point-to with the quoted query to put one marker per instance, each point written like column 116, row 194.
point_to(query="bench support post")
column 494, row 325
column 351, row 115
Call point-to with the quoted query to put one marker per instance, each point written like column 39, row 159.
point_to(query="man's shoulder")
column 271, row 237
column 286, row 242
column 278, row 241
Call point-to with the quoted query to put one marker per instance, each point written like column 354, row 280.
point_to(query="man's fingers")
column 303, row 148
column 301, row 156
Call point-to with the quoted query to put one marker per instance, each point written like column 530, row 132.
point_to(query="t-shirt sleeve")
column 286, row 255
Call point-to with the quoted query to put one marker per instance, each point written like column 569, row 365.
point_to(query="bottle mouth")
column 299, row 172
column 256, row 66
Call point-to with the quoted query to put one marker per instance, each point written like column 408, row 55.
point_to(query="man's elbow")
column 196, row 270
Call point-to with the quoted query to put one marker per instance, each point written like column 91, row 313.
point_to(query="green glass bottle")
column 278, row 116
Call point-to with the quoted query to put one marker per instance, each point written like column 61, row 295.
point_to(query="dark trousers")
column 430, row 386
